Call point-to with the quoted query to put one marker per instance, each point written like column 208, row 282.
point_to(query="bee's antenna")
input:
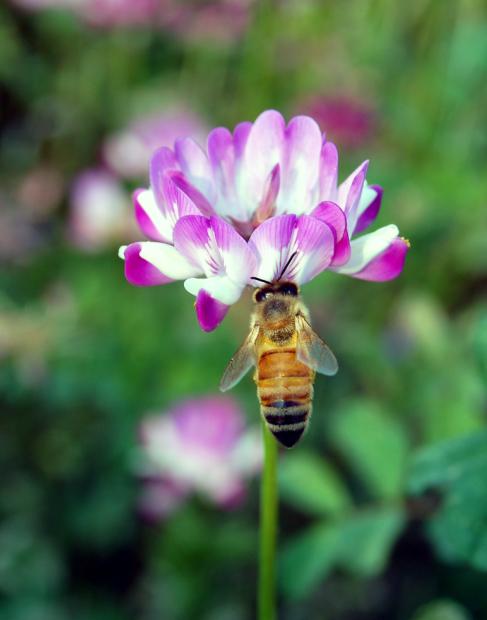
column 261, row 280
column 287, row 265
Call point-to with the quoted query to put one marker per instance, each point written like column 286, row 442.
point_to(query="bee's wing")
column 241, row 362
column 312, row 351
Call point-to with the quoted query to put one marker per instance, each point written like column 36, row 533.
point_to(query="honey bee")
column 286, row 353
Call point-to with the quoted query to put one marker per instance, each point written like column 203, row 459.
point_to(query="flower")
column 197, row 446
column 99, row 210
column 211, row 22
column 128, row 152
column 260, row 200
column 350, row 121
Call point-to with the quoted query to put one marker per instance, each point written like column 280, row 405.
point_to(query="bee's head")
column 273, row 289
column 276, row 301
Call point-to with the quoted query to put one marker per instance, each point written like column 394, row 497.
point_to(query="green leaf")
column 307, row 560
column 374, row 443
column 311, row 484
column 366, row 539
column 441, row 610
column 458, row 469
column 360, row 544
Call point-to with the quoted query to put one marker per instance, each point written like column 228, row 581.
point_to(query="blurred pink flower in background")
column 113, row 13
column 40, row 191
column 200, row 445
column 101, row 13
column 26, row 206
column 100, row 210
column 128, row 152
column 216, row 21
column 347, row 120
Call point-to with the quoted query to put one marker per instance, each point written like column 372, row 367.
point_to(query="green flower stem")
column 268, row 530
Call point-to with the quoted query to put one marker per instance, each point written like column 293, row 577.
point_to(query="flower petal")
column 204, row 207
column 369, row 207
column 270, row 242
column 328, row 172
column 387, row 265
column 223, row 162
column 149, row 264
column 163, row 159
column 222, row 254
column 157, row 211
column 308, row 240
column 368, row 247
column 300, row 167
column 331, row 214
column 349, row 193
column 267, row 206
column 149, row 217
column 209, row 311
column 195, row 165
column 220, row 288
column 240, row 137
column 263, row 150
column 238, row 260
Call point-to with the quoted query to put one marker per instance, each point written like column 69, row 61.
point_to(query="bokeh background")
column 384, row 503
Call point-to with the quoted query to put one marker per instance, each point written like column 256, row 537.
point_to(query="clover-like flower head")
column 199, row 446
column 258, row 199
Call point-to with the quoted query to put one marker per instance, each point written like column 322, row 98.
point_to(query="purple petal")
column 177, row 204
column 343, row 251
column 267, row 207
column 209, row 311
column 222, row 160
column 328, row 172
column 150, row 264
column 368, row 215
column 162, row 161
column 331, row 214
column 195, row 165
column 264, row 149
column 204, row 207
column 237, row 259
column 367, row 248
column 276, row 240
column 240, row 137
column 215, row 246
column 315, row 245
column 300, row 168
column 221, row 253
column 350, row 191
column 387, row 265
column 149, row 217
column 192, row 239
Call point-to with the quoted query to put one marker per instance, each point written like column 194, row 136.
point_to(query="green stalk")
column 268, row 530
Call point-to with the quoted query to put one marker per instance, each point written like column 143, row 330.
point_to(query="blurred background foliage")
column 384, row 503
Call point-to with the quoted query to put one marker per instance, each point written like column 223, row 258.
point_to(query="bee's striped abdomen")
column 285, row 389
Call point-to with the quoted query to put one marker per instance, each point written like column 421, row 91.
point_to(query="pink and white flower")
column 128, row 151
column 99, row 213
column 199, row 446
column 256, row 200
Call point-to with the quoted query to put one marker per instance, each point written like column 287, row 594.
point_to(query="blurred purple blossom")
column 213, row 21
column 347, row 120
column 198, row 446
column 100, row 211
column 128, row 152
